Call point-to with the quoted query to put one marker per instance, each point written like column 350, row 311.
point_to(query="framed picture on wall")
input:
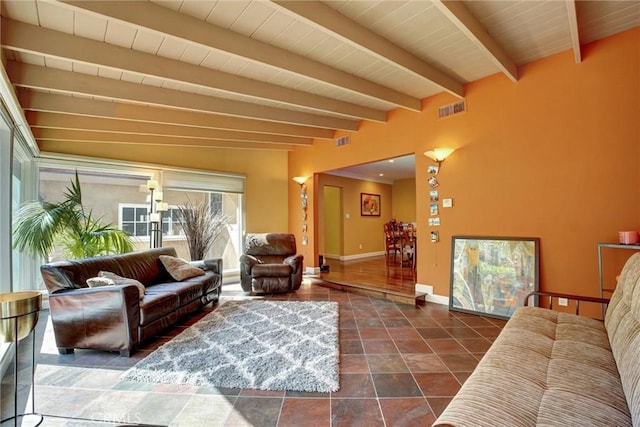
column 369, row 204
column 492, row 275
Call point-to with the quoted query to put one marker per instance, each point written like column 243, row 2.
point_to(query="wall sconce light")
column 439, row 154
column 300, row 180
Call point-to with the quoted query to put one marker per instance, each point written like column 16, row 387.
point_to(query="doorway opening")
column 352, row 243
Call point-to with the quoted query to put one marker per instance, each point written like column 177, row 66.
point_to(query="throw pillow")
column 96, row 282
column 179, row 269
column 119, row 280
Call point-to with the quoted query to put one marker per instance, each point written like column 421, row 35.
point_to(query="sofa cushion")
column 545, row 368
column 157, row 305
column 623, row 327
column 180, row 269
column 186, row 291
column 119, row 280
column 271, row 270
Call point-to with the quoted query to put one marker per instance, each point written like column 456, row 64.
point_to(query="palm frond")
column 73, row 195
column 41, row 226
column 36, row 225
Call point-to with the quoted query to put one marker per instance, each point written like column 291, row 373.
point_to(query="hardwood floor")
column 373, row 276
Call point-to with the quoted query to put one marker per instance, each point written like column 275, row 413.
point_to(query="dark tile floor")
column 399, row 366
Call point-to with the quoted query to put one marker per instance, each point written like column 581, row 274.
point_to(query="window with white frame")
column 117, row 194
column 215, row 202
column 133, row 219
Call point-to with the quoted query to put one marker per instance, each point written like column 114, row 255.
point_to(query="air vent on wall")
column 451, row 109
column 343, row 140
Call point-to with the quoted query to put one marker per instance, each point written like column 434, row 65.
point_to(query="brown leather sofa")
column 270, row 264
column 116, row 318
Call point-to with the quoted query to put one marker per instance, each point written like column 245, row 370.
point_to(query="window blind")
column 203, row 181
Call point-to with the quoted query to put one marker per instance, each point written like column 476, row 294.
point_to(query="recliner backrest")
column 264, row 245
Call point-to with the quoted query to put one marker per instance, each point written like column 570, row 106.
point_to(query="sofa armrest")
column 295, row 261
column 247, row 262
column 104, row 318
column 555, row 295
column 213, row 264
column 246, row 265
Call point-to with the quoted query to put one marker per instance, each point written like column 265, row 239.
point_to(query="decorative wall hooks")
column 304, row 201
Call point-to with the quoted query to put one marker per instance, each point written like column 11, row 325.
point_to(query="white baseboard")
column 424, row 289
column 437, row 299
column 361, row 256
column 312, row 271
column 429, row 295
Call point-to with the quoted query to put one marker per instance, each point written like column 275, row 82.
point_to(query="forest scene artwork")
column 492, row 275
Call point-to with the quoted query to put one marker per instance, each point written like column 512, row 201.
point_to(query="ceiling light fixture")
column 438, row 155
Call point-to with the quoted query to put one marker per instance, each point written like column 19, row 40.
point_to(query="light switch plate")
column 447, row 203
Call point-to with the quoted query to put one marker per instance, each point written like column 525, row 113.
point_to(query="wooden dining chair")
column 392, row 242
column 408, row 246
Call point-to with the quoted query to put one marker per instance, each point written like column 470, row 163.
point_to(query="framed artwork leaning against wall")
column 492, row 275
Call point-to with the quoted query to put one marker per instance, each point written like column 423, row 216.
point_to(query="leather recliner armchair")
column 270, row 264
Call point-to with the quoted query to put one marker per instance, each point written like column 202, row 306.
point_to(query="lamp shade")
column 300, row 179
column 152, row 184
column 439, row 154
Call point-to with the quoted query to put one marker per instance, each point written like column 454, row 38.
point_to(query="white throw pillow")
column 96, row 282
column 180, row 269
column 119, row 280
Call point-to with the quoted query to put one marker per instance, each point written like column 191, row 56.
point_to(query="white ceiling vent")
column 451, row 109
column 343, row 140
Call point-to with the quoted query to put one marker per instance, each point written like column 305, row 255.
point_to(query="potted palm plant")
column 39, row 227
column 201, row 227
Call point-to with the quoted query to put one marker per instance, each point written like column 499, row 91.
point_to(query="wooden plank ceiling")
column 268, row 74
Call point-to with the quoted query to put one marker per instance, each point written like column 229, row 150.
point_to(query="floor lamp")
column 19, row 312
column 157, row 207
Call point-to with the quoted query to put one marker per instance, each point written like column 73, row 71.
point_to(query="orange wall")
column 404, row 200
column 554, row 156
